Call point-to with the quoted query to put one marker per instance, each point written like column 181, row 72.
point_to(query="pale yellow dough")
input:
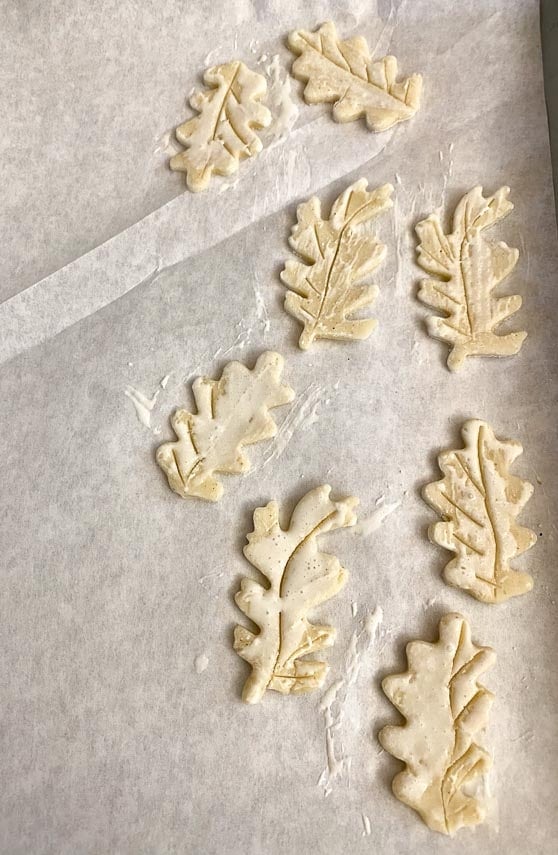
column 343, row 71
column 337, row 254
column 445, row 708
column 223, row 133
column 232, row 412
column 300, row 578
column 479, row 501
column 469, row 268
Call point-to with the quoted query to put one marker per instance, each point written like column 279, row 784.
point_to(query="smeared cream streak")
column 143, row 405
column 200, row 663
column 335, row 699
column 299, row 416
column 283, row 108
column 372, row 523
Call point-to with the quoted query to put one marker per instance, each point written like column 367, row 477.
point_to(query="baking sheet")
column 116, row 594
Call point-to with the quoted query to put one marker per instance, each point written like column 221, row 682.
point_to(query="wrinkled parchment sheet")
column 122, row 726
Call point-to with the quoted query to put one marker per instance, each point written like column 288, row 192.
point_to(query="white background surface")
column 110, row 740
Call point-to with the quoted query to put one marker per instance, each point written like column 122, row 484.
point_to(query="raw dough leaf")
column 223, row 132
column 232, row 412
column 470, row 267
column 445, row 708
column 300, row 578
column 479, row 501
column 336, row 256
column 344, row 72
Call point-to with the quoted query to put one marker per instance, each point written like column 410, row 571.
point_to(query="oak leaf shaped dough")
column 479, row 501
column 445, row 708
column 469, row 268
column 232, row 412
column 336, row 256
column 300, row 577
column 223, row 132
column 345, row 73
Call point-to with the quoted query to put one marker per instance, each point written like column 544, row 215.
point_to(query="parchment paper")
column 122, row 726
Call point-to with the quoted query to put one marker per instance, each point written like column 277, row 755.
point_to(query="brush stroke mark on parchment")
column 142, row 404
column 201, row 662
column 211, row 584
column 283, row 109
column 335, row 699
column 371, row 523
column 302, row 415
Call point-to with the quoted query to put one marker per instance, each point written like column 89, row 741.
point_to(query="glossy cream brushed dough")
column 469, row 268
column 300, row 578
column 232, row 412
column 343, row 72
column 445, row 708
column 223, row 132
column 336, row 255
column 479, row 501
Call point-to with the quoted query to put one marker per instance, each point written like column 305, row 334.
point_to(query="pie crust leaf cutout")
column 223, row 132
column 343, row 72
column 479, row 502
column 300, row 577
column 468, row 269
column 445, row 708
column 232, row 412
column 336, row 255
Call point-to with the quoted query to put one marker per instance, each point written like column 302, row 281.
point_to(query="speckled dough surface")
column 344, row 72
column 301, row 577
column 445, row 708
column 232, row 412
column 223, row 132
column 469, row 268
column 480, row 499
column 123, row 728
column 325, row 290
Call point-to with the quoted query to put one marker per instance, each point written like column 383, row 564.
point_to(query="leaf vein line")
column 495, row 533
column 431, row 255
column 461, row 509
column 465, row 667
column 468, row 545
column 469, row 474
column 224, row 101
column 341, row 235
column 312, row 533
column 385, row 92
column 443, row 294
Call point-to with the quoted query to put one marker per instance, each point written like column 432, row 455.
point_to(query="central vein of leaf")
column 465, row 286
column 466, row 242
column 224, row 101
column 351, row 74
column 313, row 533
column 489, row 514
column 453, row 672
column 325, row 294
